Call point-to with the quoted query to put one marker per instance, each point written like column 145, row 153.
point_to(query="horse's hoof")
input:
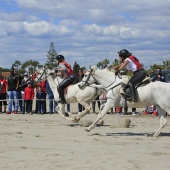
column 66, row 114
column 76, row 119
column 87, row 129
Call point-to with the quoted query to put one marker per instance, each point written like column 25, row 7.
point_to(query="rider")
column 63, row 70
column 133, row 64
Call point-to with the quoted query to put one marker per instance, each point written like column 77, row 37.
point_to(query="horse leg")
column 86, row 111
column 163, row 122
column 108, row 105
column 61, row 110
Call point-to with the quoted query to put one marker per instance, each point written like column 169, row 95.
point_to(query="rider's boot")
column 61, row 95
column 133, row 92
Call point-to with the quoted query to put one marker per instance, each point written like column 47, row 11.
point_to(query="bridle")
column 86, row 83
column 44, row 72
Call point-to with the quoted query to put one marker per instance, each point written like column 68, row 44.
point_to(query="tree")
column 51, row 54
column 166, row 65
column 76, row 68
column 31, row 65
column 103, row 64
column 99, row 65
column 16, row 64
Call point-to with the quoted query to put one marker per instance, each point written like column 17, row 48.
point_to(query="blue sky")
column 85, row 31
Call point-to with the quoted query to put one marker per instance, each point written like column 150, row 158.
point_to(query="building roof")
column 6, row 74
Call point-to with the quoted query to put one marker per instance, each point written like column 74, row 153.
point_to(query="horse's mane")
column 109, row 68
column 108, row 72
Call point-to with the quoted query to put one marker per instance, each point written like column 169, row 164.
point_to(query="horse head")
column 42, row 73
column 105, row 77
column 88, row 78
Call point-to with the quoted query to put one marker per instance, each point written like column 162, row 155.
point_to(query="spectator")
column 41, row 100
column 94, row 104
column 43, row 85
column 20, row 77
column 3, row 94
column 52, row 103
column 23, row 86
column 133, row 111
column 118, row 110
column 80, row 77
column 28, row 97
column 12, row 92
column 68, row 109
column 159, row 76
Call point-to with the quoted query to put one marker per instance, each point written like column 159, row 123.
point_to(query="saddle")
column 125, row 91
column 66, row 89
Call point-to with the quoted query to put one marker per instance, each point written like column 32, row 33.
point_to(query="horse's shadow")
column 131, row 134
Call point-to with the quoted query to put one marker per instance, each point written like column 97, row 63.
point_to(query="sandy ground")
column 48, row 142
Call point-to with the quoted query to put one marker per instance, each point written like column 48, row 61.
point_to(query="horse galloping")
column 74, row 94
column 153, row 93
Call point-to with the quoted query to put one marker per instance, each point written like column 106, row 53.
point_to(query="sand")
column 48, row 142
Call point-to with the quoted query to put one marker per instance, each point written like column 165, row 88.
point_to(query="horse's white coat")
column 74, row 94
column 157, row 93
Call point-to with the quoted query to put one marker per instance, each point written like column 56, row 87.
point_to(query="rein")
column 90, row 74
column 86, row 82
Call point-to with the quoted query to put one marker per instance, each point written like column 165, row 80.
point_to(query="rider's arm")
column 123, row 64
column 117, row 67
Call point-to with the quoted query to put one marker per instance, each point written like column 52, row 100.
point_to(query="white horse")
column 74, row 94
column 157, row 93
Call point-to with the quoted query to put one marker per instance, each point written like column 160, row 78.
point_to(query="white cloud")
column 86, row 31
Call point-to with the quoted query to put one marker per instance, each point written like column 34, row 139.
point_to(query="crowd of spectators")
column 17, row 93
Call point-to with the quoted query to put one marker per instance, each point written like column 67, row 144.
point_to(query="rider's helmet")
column 60, row 58
column 123, row 53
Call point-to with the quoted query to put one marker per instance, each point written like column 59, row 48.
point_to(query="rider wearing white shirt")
column 133, row 64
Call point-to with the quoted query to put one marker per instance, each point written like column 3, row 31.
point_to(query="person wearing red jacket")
column 131, row 63
column 3, row 93
column 28, row 97
column 43, row 85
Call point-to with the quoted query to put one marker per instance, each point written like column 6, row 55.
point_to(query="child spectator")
column 41, row 100
column 151, row 110
column 28, row 97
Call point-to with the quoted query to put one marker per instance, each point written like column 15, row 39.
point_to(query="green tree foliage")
column 103, row 64
column 31, row 65
column 51, row 54
column 4, row 69
column 166, row 65
column 16, row 64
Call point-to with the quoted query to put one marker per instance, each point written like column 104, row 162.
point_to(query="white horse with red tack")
column 157, row 93
column 73, row 93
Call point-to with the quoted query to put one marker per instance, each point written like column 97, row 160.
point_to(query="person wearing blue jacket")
column 41, row 100
column 52, row 103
